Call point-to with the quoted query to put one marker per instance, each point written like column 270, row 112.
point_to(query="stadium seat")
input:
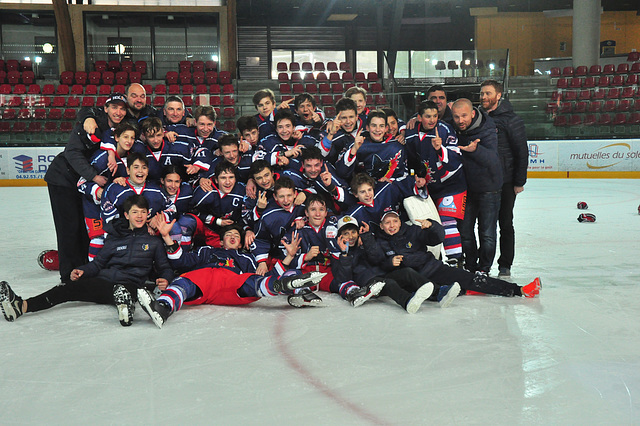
column 62, row 89
column 618, row 80
column 66, row 77
column 187, row 89
column 344, row 66
column 198, row 66
column 440, row 66
column 224, row 77
column 555, row 72
column 322, row 78
column 198, row 77
column 332, row 66
column 228, row 89
column 211, row 66
column 348, row 85
column 118, row 88
column 580, row 107
column 624, row 105
column 307, row 67
column 308, row 77
column 77, row 89
column 575, row 120
column 609, row 69
column 567, row 72
column 13, row 77
column 632, row 80
column 326, row 100
column 337, row 88
column 589, row 120
column 622, row 68
column 381, row 100
column 604, row 81
column 609, row 105
column 613, row 93
column 15, row 102
column 560, row 121
column 19, row 89
column 66, row 126
column 88, row 101
column 171, row 77
column 34, row 127
column 34, row 89
column 201, row 89
column 281, row 67
column 570, row 95
column 324, row 88
column 566, row 107
column 80, row 77
column 294, row 66
column 215, row 89
column 334, row 77
column 19, row 127
column 91, row 89
column 590, row 82
column 229, row 126
column 108, row 77
column 214, row 101
column 9, row 114
column 113, row 66
column 229, row 112
column 148, row 88
column 318, row 66
column 627, row 92
column 48, row 89
column 635, row 67
column 126, row 66
column 595, row 70
column 104, row 89
column 372, row 77
column 27, row 65
column 634, row 118
column 595, row 106
column 211, row 77
column 160, row 89
column 69, row 114
column 95, row 78
column 12, row 65
column 581, row 71
column 184, row 66
column 228, row 101
column 173, row 89
column 51, row 126
column 44, row 101
column 54, row 114
column 297, row 88
column 5, row 127
column 330, row 111
column 575, row 83
column 135, row 77
column 24, row 114
column 360, row 77
column 584, row 95
column 141, row 67
column 599, row 94
column 73, row 102
column 187, row 100
column 184, row 77
column 40, row 114
column 284, row 88
column 100, row 66
column 619, row 119
column 347, row 76
column 28, row 77
column 562, row 83
column 311, row 88
column 158, row 102
column 5, row 89
column 295, row 77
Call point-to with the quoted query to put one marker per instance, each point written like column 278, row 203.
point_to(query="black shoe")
column 292, row 282
column 304, row 298
column 360, row 295
column 504, row 272
column 124, row 303
column 10, row 302
column 158, row 311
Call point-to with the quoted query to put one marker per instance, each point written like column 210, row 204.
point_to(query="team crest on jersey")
column 409, row 245
column 447, row 204
column 145, row 247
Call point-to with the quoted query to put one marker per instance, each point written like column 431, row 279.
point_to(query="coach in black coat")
column 514, row 156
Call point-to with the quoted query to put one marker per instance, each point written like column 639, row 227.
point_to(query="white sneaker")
column 422, row 294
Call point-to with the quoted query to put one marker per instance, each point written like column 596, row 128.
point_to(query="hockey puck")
column 587, row 217
column 583, row 206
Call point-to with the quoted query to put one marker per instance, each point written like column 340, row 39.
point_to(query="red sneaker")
column 473, row 293
column 533, row 288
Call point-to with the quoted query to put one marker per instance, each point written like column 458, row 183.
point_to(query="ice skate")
column 158, row 311
column 447, row 294
column 304, row 298
column 124, row 304
column 289, row 283
column 532, row 289
column 362, row 294
column 10, row 302
column 422, row 294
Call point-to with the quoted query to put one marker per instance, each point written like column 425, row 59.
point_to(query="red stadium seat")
column 296, row 77
column 5, row 89
column 609, row 69
column 91, row 89
column 54, row 114
column 623, row 68
column 211, row 66
column 584, row 95
column 187, row 89
column 9, row 114
column 228, row 89
column 228, row 101
column 285, row 88
column 344, row 66
column 560, row 121
column 104, row 89
column 94, row 78
column 613, row 93
column 609, row 105
column 171, row 77
column 619, row 119
column 173, row 89
column 567, row 72
column 28, row 77
column 334, row 77
column 73, row 101
column 580, row 107
column 66, row 77
column 198, row 66
column 141, row 67
column 294, row 66
column 381, row 100
column 318, row 66
column 69, row 114
column 40, row 114
column 44, row 101
column 77, row 89
column 311, row 88
column 562, row 83
column 13, row 77
column 187, row 100
column 215, row 89
column 48, row 89
column 34, row 89
column 19, row 127
column 19, row 89
column 66, row 126
column 575, row 120
column 307, row 67
column 108, row 77
column 148, row 88
column 160, row 89
column 281, row 67
column 581, row 71
column 599, row 94
column 214, row 101
column 15, row 102
column 184, row 77
column 590, row 82
column 618, row 80
column 627, row 92
column 88, row 101
column 51, row 126
column 100, row 66
column 347, row 76
column 81, row 77
column 566, row 107
column 158, row 101
column 229, row 126
column 24, row 114
column 34, row 127
column 184, row 66
column 224, row 77
column 297, row 88
column 126, row 66
column 135, row 77
column 324, row 88
column 554, row 72
column 575, row 83
column 624, row 105
column 360, row 77
column 198, row 77
column 283, row 77
column 118, row 88
column 595, row 106
column 5, row 127
column 635, row 67
column 26, row 65
column 12, row 65
column 113, row 66
column 229, row 112
column 211, row 77
column 322, row 77
column 308, row 78
column 202, row 89
column 326, row 100
column 634, row 118
column 101, row 100
column 332, row 66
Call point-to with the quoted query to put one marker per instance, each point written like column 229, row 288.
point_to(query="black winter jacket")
column 355, row 266
column 410, row 242
column 481, row 167
column 512, row 143
column 129, row 256
column 67, row 167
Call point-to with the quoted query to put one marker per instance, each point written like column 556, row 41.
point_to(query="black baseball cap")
column 116, row 97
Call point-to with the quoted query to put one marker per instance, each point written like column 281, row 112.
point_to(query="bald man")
column 478, row 142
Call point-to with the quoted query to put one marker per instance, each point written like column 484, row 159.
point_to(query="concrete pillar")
column 586, row 32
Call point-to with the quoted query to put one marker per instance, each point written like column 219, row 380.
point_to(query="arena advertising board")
column 611, row 155
column 26, row 162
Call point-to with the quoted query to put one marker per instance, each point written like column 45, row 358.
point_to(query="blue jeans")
column 482, row 207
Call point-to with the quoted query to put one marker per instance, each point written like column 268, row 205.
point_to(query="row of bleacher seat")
column 106, row 89
column 602, row 81
column 321, row 77
column 17, row 77
column 611, row 105
column 36, row 127
column 595, row 70
column 39, row 114
column 96, row 77
column 605, row 119
column 15, row 65
column 309, row 67
column 598, row 93
column 198, row 77
column 326, row 88
column 115, row 66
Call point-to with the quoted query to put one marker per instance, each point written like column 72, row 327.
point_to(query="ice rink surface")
column 570, row 357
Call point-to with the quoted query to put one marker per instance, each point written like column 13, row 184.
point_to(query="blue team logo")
column 447, row 204
column 145, row 247
column 23, row 163
column 534, row 150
